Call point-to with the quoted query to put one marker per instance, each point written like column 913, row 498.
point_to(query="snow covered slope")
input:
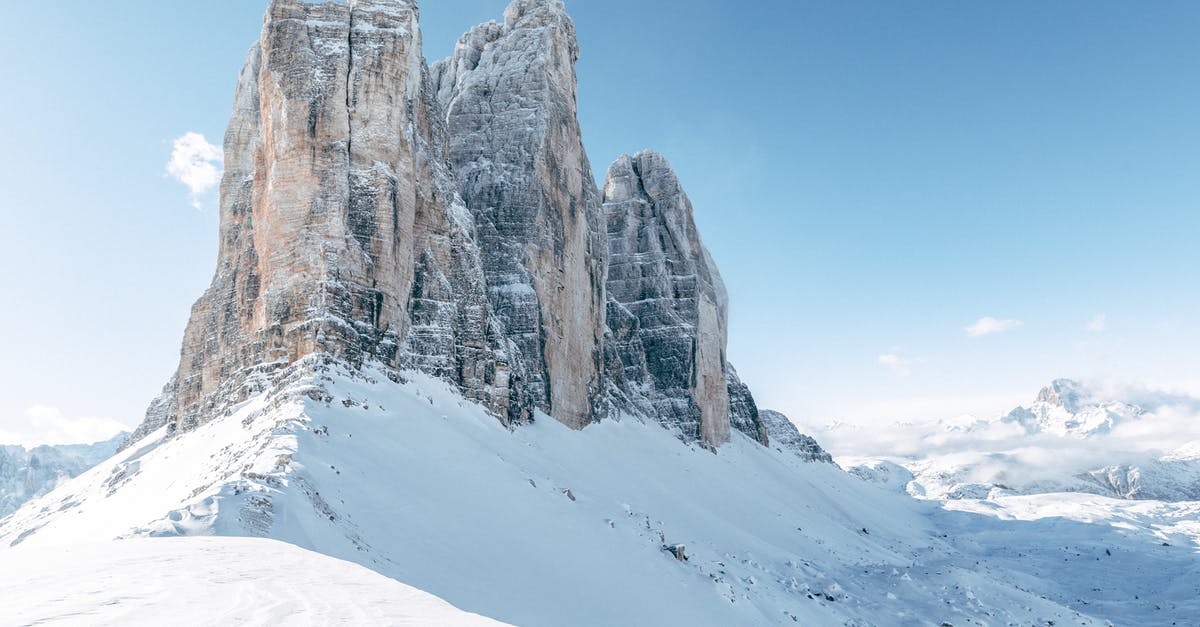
column 215, row 581
column 26, row 473
column 548, row 526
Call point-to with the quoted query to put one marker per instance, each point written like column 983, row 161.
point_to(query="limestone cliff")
column 340, row 228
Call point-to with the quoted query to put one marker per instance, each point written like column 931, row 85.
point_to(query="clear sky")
column 873, row 177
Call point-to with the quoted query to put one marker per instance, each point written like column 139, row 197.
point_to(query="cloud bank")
column 987, row 449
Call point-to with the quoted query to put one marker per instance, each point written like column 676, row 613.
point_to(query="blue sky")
column 872, row 177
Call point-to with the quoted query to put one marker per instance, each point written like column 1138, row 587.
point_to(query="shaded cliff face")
column 509, row 96
column 340, row 229
column 667, row 307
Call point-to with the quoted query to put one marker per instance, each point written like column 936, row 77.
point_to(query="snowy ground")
column 212, row 581
column 1132, row 562
column 547, row 526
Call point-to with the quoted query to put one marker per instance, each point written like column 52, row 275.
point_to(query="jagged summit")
column 1069, row 408
column 1064, row 393
column 538, row 14
column 444, row 219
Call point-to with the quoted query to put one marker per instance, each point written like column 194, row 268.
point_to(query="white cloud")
column 48, row 425
column 1097, row 323
column 988, row 325
column 197, row 164
column 900, row 366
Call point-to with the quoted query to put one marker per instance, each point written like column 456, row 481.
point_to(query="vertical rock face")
column 667, row 307
column 515, row 145
column 744, row 414
column 340, row 228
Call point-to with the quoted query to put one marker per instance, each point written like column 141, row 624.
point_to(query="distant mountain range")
column 1072, row 438
column 29, row 473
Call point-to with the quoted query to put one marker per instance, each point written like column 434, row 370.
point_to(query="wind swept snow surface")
column 211, row 581
column 545, row 526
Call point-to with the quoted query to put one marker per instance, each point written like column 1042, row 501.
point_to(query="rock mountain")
column 444, row 218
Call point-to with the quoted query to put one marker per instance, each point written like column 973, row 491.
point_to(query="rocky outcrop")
column 517, row 153
column 744, row 414
column 446, row 219
column 667, row 307
column 786, row 437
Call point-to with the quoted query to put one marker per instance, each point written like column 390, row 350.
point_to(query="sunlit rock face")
column 340, row 228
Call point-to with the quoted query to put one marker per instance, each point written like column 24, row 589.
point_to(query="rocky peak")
column 538, row 14
column 1063, row 393
column 1069, row 408
column 667, row 307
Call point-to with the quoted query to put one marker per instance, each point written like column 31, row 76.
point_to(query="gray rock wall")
column 667, row 307
column 517, row 153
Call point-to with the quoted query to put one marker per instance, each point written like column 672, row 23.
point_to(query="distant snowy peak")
column 1064, row 393
column 29, row 473
column 1068, row 408
column 1073, row 437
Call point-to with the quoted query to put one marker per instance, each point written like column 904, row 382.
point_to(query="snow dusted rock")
column 27, row 473
column 890, row 475
column 1170, row 478
column 509, row 93
column 340, row 228
column 667, row 307
column 743, row 411
column 1067, row 408
column 785, row 436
